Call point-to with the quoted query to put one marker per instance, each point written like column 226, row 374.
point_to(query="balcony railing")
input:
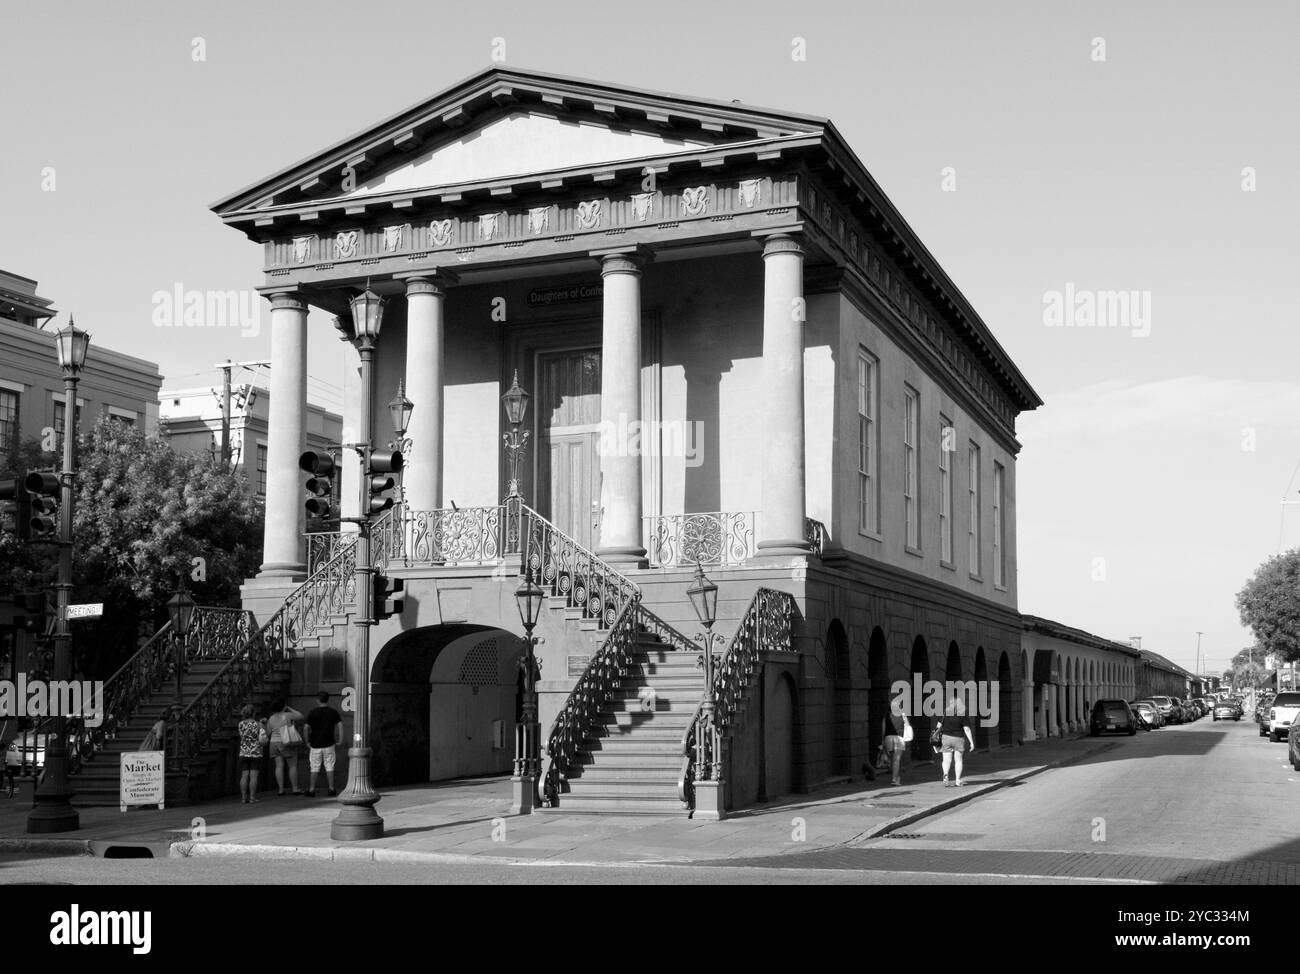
column 718, row 538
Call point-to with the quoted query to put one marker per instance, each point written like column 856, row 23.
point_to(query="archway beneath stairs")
column 444, row 703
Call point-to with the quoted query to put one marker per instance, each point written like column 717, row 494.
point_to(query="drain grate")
column 934, row 836
column 885, row 805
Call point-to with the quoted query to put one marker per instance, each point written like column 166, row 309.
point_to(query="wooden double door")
column 567, row 472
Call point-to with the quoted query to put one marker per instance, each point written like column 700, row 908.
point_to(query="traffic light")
column 389, row 595
column 15, row 509
column 43, row 494
column 381, row 464
column 320, row 486
column 32, row 612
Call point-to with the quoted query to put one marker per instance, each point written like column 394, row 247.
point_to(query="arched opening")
column 445, row 700
column 982, row 689
column 953, row 670
column 921, row 669
column 878, row 696
column 1006, row 703
column 779, row 742
column 840, row 693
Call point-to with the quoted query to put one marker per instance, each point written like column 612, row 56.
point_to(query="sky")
column 1040, row 149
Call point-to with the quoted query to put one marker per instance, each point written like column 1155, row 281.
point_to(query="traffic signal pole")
column 52, row 810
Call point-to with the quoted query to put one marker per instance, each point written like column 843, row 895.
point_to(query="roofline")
column 1050, row 627
column 523, row 75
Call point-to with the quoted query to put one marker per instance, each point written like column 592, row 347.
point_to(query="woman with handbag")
column 252, row 738
column 286, row 743
column 954, row 734
column 898, row 734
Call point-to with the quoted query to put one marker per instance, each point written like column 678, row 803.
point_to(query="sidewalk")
column 467, row 820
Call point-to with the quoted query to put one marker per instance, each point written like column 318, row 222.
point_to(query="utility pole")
column 224, row 397
column 1199, row 634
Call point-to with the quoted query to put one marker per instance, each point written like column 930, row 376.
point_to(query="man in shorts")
column 324, row 734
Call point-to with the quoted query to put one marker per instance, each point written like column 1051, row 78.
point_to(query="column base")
column 709, row 799
column 522, row 791
column 281, row 570
column 356, row 823
column 631, row 557
column 1028, row 736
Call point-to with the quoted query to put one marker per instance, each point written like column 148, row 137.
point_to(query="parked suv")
column 1112, row 715
column 1282, row 713
column 1166, row 707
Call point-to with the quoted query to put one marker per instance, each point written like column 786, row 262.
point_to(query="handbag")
column 908, row 733
column 936, row 736
column 289, row 735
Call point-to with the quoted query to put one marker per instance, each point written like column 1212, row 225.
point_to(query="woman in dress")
column 282, row 715
column 955, row 735
column 252, row 737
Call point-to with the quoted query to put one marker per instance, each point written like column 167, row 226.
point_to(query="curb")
column 224, row 850
column 909, row 818
column 46, row 847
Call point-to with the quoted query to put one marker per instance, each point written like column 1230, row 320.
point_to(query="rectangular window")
column 60, row 413
column 261, row 469
column 973, row 486
column 911, row 467
column 8, row 426
column 868, row 454
column 947, row 445
column 999, row 546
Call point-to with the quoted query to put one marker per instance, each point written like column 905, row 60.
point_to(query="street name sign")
column 86, row 610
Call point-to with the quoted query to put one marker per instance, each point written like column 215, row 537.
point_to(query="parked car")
column 1112, row 716
column 1227, row 710
column 1157, row 719
column 25, row 756
column 1166, row 705
column 1282, row 713
column 1147, row 714
column 1293, row 744
column 1261, row 717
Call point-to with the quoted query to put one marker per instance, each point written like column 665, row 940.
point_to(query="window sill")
column 977, row 578
column 951, row 566
column 999, row 588
column 917, row 552
column 873, row 535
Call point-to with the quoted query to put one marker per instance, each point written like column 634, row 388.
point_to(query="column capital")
column 427, row 282
column 623, row 260
column 285, row 297
column 783, row 242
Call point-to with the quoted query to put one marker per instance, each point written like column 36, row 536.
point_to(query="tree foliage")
column 145, row 517
column 1270, row 606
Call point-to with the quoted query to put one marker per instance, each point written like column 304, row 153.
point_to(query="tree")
column 145, row 517
column 1270, row 605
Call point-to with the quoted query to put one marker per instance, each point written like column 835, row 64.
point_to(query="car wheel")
column 1132, row 731
column 1273, row 737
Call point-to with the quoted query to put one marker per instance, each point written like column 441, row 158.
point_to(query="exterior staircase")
column 631, row 759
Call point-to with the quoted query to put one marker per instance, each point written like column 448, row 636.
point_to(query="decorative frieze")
column 749, row 191
column 439, row 233
column 641, row 204
column 589, row 214
column 539, row 219
column 489, row 225
column 345, row 244
column 393, row 238
column 302, row 249
column 695, row 200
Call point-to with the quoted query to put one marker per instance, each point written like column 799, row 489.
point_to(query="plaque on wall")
column 543, row 297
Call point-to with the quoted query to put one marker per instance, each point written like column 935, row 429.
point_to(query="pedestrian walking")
column 898, row 734
column 954, row 735
column 324, row 734
column 286, row 743
column 252, row 738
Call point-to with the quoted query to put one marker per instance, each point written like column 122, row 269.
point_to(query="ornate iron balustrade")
column 765, row 627
column 462, row 536
column 322, row 546
column 723, row 538
column 388, row 538
column 217, row 633
column 558, row 563
column 814, row 532
column 326, row 593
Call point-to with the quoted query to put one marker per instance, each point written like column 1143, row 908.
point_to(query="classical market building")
column 738, row 353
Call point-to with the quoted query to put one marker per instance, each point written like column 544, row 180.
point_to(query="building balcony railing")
column 717, row 538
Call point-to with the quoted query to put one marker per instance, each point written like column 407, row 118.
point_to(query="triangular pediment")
column 503, row 123
column 520, row 143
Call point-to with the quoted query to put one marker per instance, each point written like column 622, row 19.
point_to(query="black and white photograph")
column 586, row 444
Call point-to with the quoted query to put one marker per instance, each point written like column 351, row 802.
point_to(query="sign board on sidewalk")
column 143, row 775
column 87, row 610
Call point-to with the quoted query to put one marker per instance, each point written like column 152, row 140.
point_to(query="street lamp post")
column 357, row 819
column 525, row 780
column 180, row 610
column 52, row 810
column 709, row 798
column 399, row 409
column 516, row 406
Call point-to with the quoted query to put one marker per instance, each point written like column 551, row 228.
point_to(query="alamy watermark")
column 181, row 308
column 929, row 697
column 666, row 438
column 53, row 698
column 1082, row 308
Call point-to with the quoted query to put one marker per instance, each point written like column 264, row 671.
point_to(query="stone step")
column 632, row 702
column 605, row 773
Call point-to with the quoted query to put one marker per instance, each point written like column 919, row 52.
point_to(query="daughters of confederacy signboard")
column 142, row 778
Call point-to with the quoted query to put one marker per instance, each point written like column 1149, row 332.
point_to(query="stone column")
column 781, row 523
column 286, row 438
column 1028, row 731
column 422, row 477
column 620, row 411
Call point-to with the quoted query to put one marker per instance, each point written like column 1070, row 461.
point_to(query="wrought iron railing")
column 723, row 538
column 322, row 546
column 765, row 627
column 388, row 539
column 325, row 594
column 558, row 563
column 462, row 536
column 814, row 532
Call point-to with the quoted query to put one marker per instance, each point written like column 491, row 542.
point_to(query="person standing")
column 898, row 732
column 324, row 734
column 286, row 743
column 252, row 738
column 955, row 734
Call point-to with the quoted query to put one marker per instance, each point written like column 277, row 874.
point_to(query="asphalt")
column 468, row 820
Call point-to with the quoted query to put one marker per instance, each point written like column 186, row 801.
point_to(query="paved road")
column 1198, row 803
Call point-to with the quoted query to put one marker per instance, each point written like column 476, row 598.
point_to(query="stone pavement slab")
column 470, row 820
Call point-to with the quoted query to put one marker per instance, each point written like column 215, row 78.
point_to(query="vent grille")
column 479, row 667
